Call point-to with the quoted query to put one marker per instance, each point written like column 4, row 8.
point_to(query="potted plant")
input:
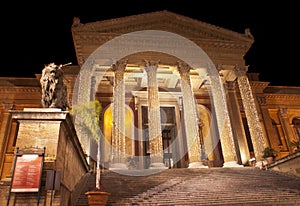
column 97, row 196
column 269, row 154
column 88, row 115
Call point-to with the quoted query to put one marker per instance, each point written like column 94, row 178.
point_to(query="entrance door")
column 168, row 127
column 167, row 147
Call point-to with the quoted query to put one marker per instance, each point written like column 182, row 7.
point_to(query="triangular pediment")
column 89, row 36
column 162, row 20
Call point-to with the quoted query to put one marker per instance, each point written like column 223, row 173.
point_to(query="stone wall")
column 289, row 164
column 53, row 130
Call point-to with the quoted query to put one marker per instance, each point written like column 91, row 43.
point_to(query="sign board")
column 27, row 173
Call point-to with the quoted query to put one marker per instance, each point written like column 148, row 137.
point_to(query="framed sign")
column 27, row 173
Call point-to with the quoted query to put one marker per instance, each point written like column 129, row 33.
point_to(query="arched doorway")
column 107, row 132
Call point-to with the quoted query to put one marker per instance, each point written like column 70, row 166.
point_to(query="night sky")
column 35, row 34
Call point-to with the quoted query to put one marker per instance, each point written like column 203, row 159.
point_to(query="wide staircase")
column 245, row 186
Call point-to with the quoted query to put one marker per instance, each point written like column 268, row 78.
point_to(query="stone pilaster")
column 288, row 134
column 118, row 130
column 5, row 121
column 6, row 147
column 254, row 124
column 269, row 127
column 155, row 134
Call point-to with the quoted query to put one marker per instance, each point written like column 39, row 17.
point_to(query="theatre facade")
column 175, row 93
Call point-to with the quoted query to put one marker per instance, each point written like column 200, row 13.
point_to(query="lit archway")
column 107, row 132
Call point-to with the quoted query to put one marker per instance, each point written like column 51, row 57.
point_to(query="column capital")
column 240, row 70
column 283, row 112
column 150, row 65
column 184, row 71
column 183, row 68
column 119, row 66
column 230, row 85
column 119, row 70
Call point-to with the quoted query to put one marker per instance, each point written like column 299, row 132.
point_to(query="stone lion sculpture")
column 54, row 92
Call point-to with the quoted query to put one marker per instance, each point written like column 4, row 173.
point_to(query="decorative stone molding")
column 261, row 100
column 9, row 90
column 162, row 19
column 219, row 43
column 258, row 87
column 282, row 99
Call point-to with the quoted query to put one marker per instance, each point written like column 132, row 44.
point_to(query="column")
column 288, row 134
column 240, row 140
column 118, row 129
column 218, row 98
column 155, row 134
column 251, row 113
column 190, row 116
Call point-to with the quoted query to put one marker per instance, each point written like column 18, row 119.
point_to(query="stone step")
column 208, row 186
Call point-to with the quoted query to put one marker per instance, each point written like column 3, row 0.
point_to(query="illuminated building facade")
column 175, row 93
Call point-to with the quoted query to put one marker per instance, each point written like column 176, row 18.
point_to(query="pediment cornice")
column 222, row 45
column 192, row 29
column 258, row 86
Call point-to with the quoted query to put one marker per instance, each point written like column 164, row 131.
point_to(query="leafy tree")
column 88, row 115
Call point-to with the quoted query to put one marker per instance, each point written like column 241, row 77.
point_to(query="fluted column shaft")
column 190, row 114
column 155, row 134
column 118, row 130
column 251, row 113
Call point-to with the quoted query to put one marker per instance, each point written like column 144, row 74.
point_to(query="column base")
column 158, row 165
column 232, row 164
column 118, row 166
column 197, row 165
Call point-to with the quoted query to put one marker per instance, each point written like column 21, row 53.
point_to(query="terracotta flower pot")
column 97, row 197
column 269, row 159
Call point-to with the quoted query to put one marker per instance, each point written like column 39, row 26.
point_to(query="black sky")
column 35, row 34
